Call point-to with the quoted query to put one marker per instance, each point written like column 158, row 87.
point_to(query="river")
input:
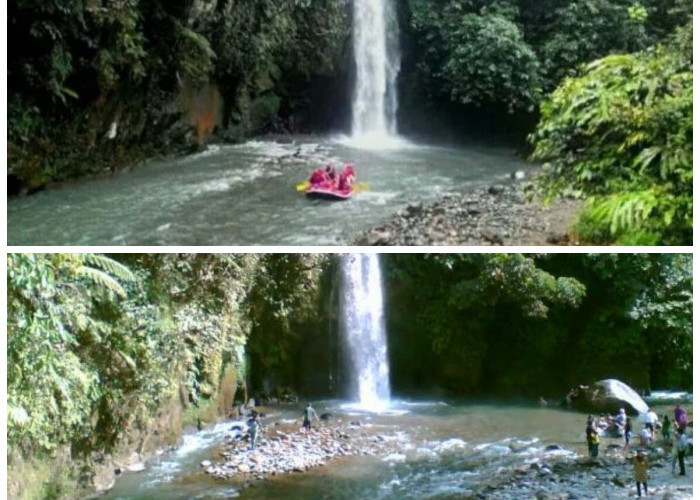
column 245, row 195
column 442, row 451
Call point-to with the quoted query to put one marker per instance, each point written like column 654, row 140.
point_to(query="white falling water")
column 377, row 58
column 364, row 332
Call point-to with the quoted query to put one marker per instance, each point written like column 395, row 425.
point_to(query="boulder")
column 606, row 396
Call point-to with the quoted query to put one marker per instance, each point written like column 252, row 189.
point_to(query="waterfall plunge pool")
column 245, row 195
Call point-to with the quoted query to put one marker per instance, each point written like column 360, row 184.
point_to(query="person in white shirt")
column 651, row 420
column 644, row 437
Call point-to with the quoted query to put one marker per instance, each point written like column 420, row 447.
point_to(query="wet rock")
column 460, row 219
column 492, row 236
column 104, row 479
column 375, row 238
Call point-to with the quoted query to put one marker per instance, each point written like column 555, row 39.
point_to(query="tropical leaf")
column 101, row 278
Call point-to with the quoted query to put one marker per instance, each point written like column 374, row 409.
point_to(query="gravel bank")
column 610, row 477
column 497, row 215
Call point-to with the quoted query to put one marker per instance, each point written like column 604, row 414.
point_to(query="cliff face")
column 92, row 88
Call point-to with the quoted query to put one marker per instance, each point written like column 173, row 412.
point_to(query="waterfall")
column 377, row 58
column 363, row 330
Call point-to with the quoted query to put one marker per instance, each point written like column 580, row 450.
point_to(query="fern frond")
column 111, row 266
column 101, row 278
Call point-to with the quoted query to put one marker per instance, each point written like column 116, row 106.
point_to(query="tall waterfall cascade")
column 363, row 328
column 377, row 59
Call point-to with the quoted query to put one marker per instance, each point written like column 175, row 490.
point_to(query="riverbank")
column 609, row 477
column 495, row 215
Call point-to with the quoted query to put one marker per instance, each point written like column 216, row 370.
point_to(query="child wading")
column 641, row 468
column 592, row 438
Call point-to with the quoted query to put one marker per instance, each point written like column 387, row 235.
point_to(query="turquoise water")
column 245, row 195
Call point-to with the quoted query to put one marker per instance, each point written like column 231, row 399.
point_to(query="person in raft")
column 347, row 178
column 331, row 174
column 318, row 176
column 309, row 414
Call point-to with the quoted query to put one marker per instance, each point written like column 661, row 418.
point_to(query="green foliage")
column 475, row 55
column 490, row 62
column 263, row 111
column 503, row 54
column 282, row 301
column 622, row 135
column 197, row 57
column 538, row 324
column 585, row 30
column 51, row 394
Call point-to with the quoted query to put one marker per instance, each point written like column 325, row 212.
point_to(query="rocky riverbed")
column 609, row 477
column 283, row 449
column 496, row 215
column 533, row 471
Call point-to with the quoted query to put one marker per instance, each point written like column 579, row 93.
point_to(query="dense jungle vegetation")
column 112, row 353
column 603, row 88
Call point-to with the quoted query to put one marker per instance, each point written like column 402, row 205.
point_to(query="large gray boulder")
column 606, row 396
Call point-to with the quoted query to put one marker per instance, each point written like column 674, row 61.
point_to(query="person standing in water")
column 254, row 429
column 681, row 446
column 309, row 414
column 666, row 429
column 628, row 432
column 592, row 438
column 641, row 469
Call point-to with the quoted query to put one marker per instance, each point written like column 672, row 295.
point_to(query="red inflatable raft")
column 324, row 183
column 329, row 194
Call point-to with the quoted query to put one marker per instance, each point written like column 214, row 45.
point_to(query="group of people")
column 255, row 427
column 621, row 424
column 327, row 177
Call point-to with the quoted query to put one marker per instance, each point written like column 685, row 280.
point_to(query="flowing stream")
column 364, row 330
column 439, row 450
column 245, row 195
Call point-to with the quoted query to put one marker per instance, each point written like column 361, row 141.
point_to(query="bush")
column 621, row 135
column 490, row 62
column 586, row 30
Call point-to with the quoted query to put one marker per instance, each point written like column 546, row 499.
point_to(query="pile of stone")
column 285, row 451
column 497, row 215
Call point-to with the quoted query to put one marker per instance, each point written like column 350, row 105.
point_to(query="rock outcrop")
column 606, row 396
